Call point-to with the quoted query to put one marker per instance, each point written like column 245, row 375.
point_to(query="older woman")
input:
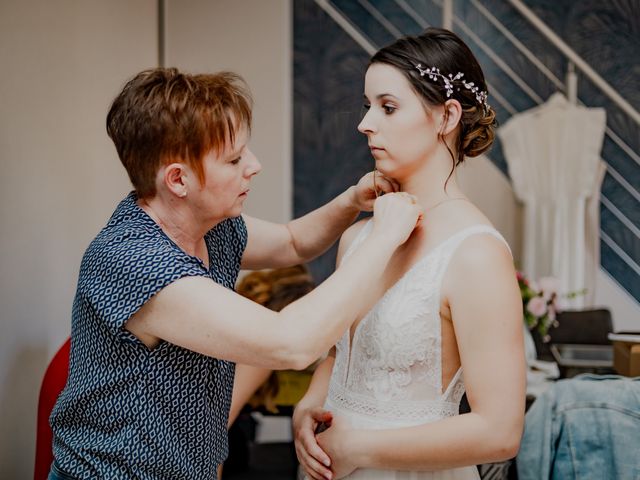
column 156, row 325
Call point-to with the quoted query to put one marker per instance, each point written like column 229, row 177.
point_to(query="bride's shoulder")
column 485, row 253
column 349, row 236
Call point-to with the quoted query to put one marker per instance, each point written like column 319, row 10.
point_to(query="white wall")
column 491, row 191
column 62, row 64
column 624, row 309
column 254, row 39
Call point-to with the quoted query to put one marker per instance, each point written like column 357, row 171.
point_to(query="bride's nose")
column 366, row 125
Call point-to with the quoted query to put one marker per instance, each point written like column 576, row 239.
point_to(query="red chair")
column 55, row 378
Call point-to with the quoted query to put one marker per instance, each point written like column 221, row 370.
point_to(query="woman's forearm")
column 217, row 322
column 313, row 233
column 315, row 322
column 458, row 441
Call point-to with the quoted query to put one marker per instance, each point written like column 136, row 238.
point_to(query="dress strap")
column 457, row 238
column 447, row 248
column 360, row 237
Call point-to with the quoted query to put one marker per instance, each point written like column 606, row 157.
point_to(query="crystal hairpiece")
column 434, row 73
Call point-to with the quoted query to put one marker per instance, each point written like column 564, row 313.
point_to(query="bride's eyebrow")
column 382, row 95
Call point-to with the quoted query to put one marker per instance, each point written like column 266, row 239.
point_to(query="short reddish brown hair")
column 164, row 115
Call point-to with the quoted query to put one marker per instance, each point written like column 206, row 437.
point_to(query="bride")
column 446, row 317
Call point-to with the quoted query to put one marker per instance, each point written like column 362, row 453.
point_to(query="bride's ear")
column 451, row 116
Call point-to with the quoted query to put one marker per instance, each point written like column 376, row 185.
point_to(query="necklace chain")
column 443, row 201
column 375, row 189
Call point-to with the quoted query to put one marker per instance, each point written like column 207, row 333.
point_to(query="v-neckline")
column 352, row 338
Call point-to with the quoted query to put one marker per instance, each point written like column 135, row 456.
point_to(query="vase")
column 530, row 352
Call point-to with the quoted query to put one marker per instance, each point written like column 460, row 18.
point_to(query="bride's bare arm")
column 486, row 309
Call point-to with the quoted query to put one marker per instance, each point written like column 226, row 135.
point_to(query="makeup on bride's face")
column 399, row 131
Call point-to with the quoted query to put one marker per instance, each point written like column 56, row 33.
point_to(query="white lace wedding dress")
column 391, row 376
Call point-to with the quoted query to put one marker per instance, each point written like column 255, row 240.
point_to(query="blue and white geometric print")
column 131, row 412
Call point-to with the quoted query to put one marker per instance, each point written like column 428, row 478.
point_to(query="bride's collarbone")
column 407, row 255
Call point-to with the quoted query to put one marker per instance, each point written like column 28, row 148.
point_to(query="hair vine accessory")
column 433, row 73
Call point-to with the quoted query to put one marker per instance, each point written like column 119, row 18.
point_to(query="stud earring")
column 183, row 194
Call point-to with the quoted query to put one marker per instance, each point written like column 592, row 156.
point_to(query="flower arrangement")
column 541, row 303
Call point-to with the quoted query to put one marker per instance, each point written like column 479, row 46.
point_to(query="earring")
column 183, row 194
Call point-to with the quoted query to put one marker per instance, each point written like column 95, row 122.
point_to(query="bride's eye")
column 388, row 109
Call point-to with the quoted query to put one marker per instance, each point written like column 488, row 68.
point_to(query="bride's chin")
column 388, row 172
column 383, row 168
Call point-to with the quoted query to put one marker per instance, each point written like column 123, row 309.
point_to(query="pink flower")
column 537, row 306
column 549, row 286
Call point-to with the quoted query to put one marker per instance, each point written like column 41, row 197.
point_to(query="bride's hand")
column 335, row 441
column 312, row 458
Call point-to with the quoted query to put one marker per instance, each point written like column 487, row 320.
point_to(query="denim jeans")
column 57, row 474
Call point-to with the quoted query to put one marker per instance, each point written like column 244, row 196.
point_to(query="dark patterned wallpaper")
column 329, row 154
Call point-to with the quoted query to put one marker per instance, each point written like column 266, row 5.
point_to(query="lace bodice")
column 393, row 370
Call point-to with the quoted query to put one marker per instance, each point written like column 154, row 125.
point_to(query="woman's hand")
column 395, row 216
column 312, row 458
column 335, row 441
column 370, row 187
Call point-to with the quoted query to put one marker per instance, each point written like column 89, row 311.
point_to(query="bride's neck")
column 433, row 183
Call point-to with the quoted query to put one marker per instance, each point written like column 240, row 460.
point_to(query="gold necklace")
column 375, row 189
column 443, row 201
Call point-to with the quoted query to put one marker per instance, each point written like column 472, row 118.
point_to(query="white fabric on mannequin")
column 553, row 154
column 592, row 238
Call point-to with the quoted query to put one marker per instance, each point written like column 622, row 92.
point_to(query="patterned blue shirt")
column 131, row 412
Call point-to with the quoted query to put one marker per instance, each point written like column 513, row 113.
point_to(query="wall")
column 252, row 38
column 62, row 64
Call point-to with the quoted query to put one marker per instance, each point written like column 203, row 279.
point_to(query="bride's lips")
column 244, row 193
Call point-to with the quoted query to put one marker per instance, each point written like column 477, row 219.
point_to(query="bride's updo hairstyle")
column 439, row 66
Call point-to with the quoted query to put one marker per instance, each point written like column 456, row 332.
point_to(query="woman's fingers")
column 395, row 216
column 385, row 184
column 312, row 466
